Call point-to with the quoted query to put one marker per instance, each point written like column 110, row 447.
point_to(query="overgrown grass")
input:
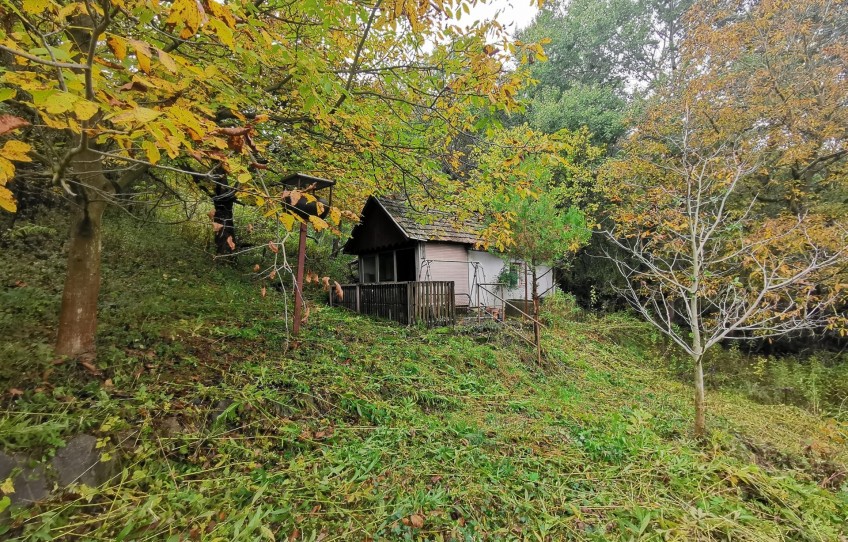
column 366, row 430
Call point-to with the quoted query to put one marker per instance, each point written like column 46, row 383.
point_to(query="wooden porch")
column 430, row 303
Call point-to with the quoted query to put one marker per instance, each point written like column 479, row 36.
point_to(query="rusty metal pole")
column 298, row 287
column 523, row 316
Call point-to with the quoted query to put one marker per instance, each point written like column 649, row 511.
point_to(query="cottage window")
column 405, row 265
column 387, row 267
column 369, row 268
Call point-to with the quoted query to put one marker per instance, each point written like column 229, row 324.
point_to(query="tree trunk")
column 700, row 401
column 78, row 314
column 224, row 200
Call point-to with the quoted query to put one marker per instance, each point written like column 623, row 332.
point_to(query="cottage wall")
column 489, row 267
column 446, row 261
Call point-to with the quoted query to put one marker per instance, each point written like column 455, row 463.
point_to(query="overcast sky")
column 513, row 14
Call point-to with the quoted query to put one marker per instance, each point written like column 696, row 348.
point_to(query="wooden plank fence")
column 431, row 303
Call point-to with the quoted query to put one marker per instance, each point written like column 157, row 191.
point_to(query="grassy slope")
column 368, row 430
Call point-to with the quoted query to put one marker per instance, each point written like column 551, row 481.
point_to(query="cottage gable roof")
column 385, row 219
column 431, row 225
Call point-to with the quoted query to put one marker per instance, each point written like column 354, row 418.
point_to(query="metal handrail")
column 512, row 305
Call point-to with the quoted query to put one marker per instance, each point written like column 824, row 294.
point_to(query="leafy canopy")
column 363, row 92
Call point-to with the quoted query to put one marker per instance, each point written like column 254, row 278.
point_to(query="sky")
column 513, row 14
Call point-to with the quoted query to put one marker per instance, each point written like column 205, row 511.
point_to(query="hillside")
column 364, row 430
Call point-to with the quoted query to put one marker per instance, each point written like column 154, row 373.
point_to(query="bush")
column 560, row 307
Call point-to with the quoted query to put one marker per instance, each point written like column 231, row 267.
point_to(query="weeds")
column 368, row 430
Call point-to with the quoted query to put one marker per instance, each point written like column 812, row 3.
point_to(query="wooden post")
column 357, row 300
column 410, row 306
column 452, row 303
column 298, row 287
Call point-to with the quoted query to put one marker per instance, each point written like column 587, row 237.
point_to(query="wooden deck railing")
column 430, row 303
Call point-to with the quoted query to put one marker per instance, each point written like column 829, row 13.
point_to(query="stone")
column 30, row 483
column 170, row 427
column 79, row 462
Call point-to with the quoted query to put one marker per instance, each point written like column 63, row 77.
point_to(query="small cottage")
column 395, row 244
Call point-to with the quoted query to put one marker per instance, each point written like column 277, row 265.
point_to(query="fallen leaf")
column 416, row 520
column 90, row 367
column 217, row 226
column 7, row 487
column 231, row 243
column 211, row 214
column 274, row 248
column 273, row 274
column 326, row 281
column 15, row 392
column 305, row 315
column 264, row 291
column 256, row 268
column 339, row 291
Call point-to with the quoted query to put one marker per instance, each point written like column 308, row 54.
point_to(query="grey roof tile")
column 432, row 225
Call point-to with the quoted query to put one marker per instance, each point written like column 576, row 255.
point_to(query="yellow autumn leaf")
column 318, row 223
column 167, row 61
column 69, row 10
column 56, row 103
column 224, row 33
column 335, row 215
column 186, row 118
column 142, row 53
column 189, row 14
column 37, row 7
column 85, row 109
column 287, row 220
column 140, row 115
column 7, row 200
column 152, row 152
column 7, row 171
column 16, row 150
column 118, row 46
column 220, row 11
